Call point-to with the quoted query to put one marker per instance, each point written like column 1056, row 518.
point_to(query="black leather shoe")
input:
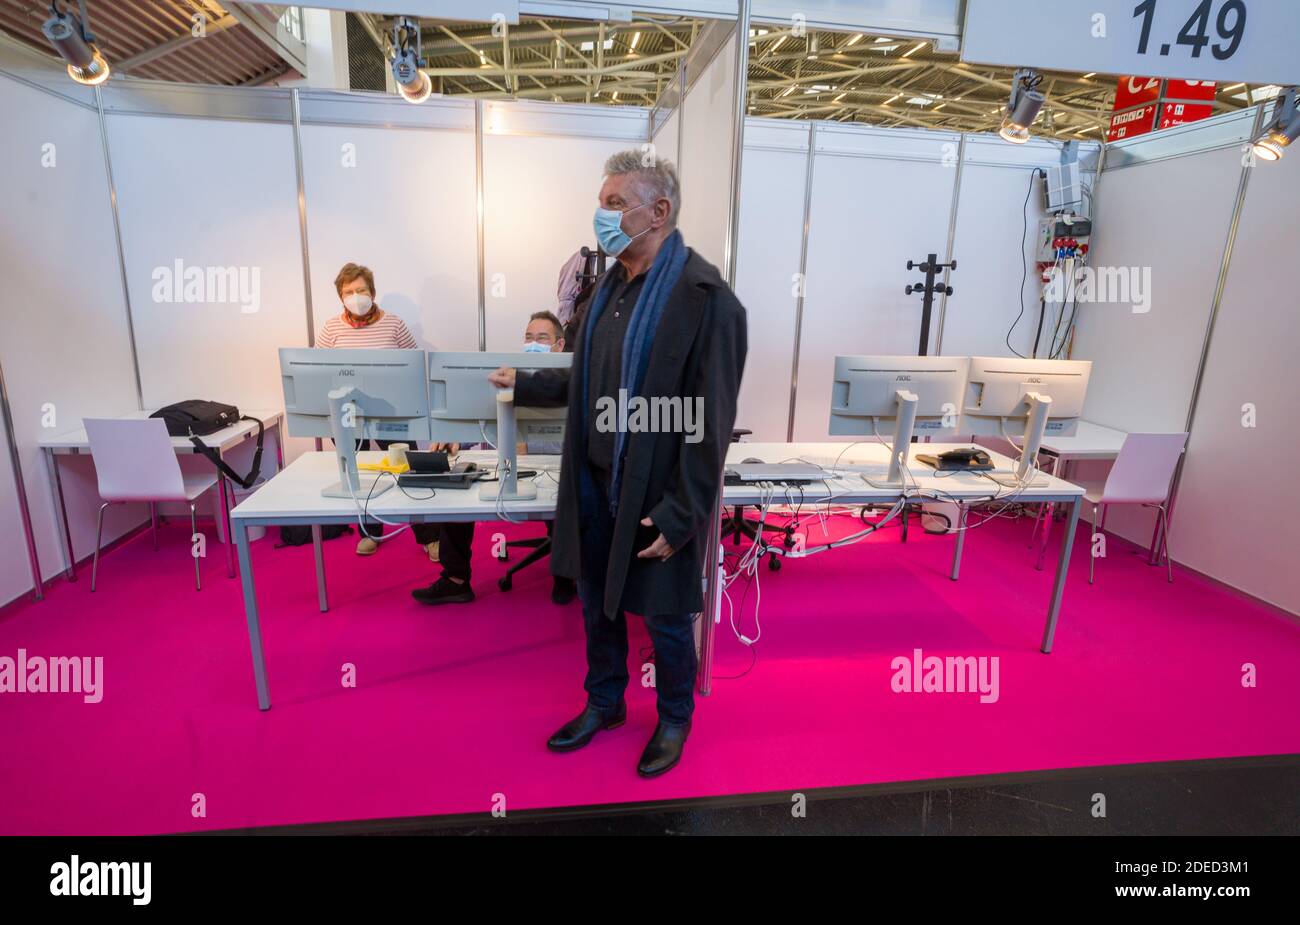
column 580, row 730
column 664, row 750
column 563, row 590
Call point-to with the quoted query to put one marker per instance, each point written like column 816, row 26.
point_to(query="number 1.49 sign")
column 1248, row 41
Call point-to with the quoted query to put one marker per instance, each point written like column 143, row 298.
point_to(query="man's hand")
column 503, row 377
column 451, row 449
column 659, row 549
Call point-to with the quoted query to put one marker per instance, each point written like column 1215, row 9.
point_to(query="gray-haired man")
column 635, row 502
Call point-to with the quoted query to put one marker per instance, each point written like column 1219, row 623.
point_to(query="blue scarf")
column 637, row 343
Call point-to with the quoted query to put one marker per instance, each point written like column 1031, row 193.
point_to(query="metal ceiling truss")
column 793, row 74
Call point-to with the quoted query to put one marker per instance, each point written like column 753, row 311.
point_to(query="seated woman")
column 363, row 324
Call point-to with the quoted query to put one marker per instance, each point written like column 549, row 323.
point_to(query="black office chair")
column 540, row 546
column 736, row 526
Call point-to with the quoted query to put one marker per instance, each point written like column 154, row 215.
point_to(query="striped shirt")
column 389, row 332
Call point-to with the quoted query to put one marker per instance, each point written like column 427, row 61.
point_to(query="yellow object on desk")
column 383, row 466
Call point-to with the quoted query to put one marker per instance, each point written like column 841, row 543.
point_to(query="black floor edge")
column 400, row 824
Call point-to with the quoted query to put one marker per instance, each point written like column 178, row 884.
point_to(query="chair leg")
column 1164, row 542
column 153, row 522
column 99, row 532
column 194, row 528
column 1092, row 547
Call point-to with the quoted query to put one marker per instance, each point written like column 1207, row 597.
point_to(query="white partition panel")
column 706, row 166
column 401, row 202
column 767, row 268
column 665, row 140
column 1230, row 522
column 542, row 169
column 65, row 349
column 1000, row 203
column 880, row 197
column 1170, row 217
column 208, row 197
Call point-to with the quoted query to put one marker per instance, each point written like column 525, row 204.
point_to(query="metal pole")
column 478, row 188
column 681, row 113
column 24, row 512
column 712, row 591
column 737, row 138
column 1228, row 246
column 803, row 276
column 117, row 237
column 952, row 234
column 302, row 216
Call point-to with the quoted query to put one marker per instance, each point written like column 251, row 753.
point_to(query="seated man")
column 544, row 334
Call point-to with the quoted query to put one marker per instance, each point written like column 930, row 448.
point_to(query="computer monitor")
column 921, row 395
column 349, row 395
column 1014, row 397
column 466, row 408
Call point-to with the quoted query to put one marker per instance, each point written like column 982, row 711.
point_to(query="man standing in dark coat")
column 651, row 401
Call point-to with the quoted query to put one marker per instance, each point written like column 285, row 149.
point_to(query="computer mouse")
column 752, row 460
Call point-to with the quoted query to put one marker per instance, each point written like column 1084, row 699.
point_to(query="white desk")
column 1090, row 441
column 75, row 443
column 293, row 497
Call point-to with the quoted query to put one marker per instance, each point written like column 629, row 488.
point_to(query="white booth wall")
column 542, row 169
column 879, row 197
column 706, row 117
column 65, row 349
column 1233, row 520
column 1166, row 202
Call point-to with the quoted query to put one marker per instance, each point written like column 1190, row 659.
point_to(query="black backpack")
column 196, row 418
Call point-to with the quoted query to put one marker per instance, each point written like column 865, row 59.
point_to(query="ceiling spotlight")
column 412, row 83
column 1281, row 130
column 72, row 38
column 1023, row 107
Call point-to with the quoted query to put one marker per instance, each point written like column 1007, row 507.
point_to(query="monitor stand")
column 351, row 484
column 506, row 487
column 905, row 422
column 1025, row 474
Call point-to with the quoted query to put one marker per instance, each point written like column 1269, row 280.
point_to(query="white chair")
column 135, row 461
column 1141, row 474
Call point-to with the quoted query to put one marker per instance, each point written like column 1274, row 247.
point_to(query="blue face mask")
column 608, row 225
column 534, row 347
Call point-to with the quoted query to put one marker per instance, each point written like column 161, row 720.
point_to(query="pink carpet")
column 453, row 704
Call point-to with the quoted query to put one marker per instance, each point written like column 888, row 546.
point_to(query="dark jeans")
column 455, row 548
column 675, row 659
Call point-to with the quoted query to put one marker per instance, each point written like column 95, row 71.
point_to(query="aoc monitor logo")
column 103, row 878
column 903, row 378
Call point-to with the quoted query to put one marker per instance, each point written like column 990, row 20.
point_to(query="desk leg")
column 254, row 627
column 961, row 539
column 1048, row 517
column 1062, row 568
column 225, row 517
column 712, row 593
column 319, row 550
column 65, row 533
